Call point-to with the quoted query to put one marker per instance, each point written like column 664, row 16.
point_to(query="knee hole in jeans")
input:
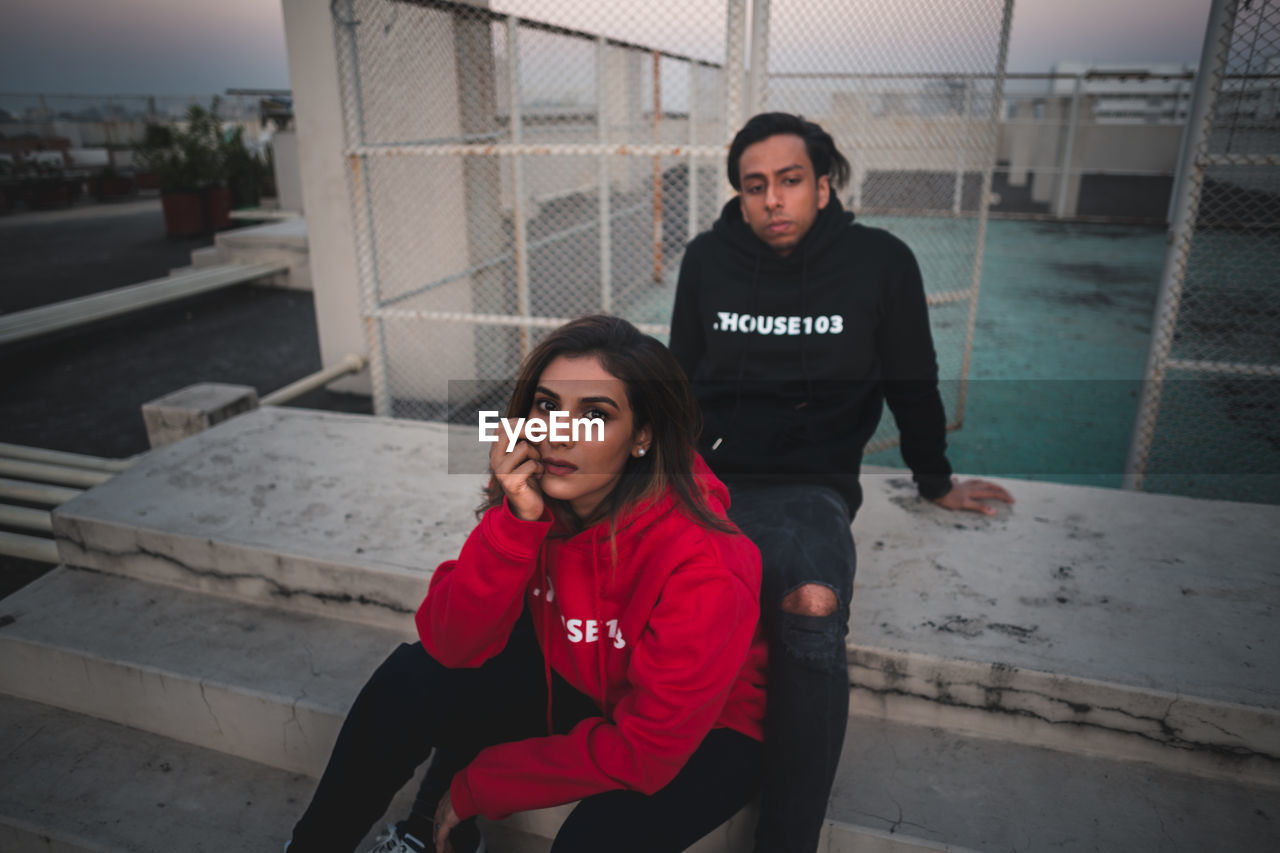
column 811, row 599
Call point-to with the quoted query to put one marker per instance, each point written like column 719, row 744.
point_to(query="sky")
column 197, row 47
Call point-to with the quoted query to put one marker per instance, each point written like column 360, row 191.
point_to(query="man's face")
column 780, row 197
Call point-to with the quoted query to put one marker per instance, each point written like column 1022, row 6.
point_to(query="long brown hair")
column 660, row 399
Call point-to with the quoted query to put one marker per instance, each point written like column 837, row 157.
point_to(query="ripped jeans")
column 803, row 535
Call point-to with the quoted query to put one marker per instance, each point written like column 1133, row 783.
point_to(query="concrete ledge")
column 1186, row 734
column 194, row 409
column 337, row 515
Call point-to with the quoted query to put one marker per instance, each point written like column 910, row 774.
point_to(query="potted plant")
column 189, row 165
column 246, row 170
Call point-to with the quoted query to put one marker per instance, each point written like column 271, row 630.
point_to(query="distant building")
column 1129, row 92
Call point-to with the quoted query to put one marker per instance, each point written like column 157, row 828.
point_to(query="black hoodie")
column 792, row 358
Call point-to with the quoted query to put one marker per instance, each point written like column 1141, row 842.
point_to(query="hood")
column 825, row 231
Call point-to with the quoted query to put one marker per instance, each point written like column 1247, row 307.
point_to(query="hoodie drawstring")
column 742, row 357
column 603, row 641
column 546, row 632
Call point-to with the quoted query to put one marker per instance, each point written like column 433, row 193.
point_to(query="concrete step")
column 281, row 242
column 266, row 689
column 71, row 783
column 267, row 685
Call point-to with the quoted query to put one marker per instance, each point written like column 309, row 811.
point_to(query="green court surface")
column 1063, row 328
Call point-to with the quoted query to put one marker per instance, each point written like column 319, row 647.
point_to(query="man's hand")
column 969, row 494
column 446, row 820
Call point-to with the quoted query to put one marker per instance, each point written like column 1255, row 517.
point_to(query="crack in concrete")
column 208, row 707
column 1174, row 740
column 278, row 589
column 20, row 744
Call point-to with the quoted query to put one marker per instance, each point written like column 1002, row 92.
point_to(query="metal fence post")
column 362, row 208
column 691, row 193
column 984, row 202
column 735, row 33
column 657, row 168
column 759, row 86
column 602, row 176
column 1213, row 58
column 518, row 213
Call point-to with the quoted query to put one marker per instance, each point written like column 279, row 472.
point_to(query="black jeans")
column 804, row 537
column 412, row 703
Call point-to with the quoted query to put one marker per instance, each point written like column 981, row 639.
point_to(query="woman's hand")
column 446, row 820
column 517, row 472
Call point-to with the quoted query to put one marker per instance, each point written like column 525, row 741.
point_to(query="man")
column 795, row 326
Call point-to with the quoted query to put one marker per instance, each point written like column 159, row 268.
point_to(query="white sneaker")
column 391, row 841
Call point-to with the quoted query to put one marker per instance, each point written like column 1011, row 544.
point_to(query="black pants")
column 412, row 703
column 803, row 535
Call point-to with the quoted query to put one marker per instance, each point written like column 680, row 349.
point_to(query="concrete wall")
column 1034, row 148
column 288, row 175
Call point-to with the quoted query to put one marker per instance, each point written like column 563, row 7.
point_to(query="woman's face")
column 585, row 471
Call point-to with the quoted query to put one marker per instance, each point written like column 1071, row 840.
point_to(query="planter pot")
column 183, row 214
column 217, row 208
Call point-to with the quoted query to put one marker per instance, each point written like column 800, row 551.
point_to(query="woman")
column 595, row 640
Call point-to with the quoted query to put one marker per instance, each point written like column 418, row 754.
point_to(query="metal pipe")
column 351, row 363
column 29, row 548
column 602, row 176
column 657, row 168
column 1068, row 149
column 502, row 320
column 26, row 518
column 60, row 474
column 1271, row 371
column 36, row 493
column 518, row 213
column 561, row 149
column 59, row 457
column 1213, row 57
column 759, row 79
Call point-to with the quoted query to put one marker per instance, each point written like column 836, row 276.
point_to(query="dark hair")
column 660, row 399
column 826, row 158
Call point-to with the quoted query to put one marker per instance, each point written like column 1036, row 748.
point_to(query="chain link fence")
column 522, row 163
column 913, row 97
column 1207, row 421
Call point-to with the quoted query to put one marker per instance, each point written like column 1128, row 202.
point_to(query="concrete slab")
column 263, row 684
column 339, row 515
column 284, row 241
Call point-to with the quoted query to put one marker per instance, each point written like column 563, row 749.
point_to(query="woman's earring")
column 641, row 452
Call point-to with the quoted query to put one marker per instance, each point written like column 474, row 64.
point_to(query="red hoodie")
column 666, row 642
